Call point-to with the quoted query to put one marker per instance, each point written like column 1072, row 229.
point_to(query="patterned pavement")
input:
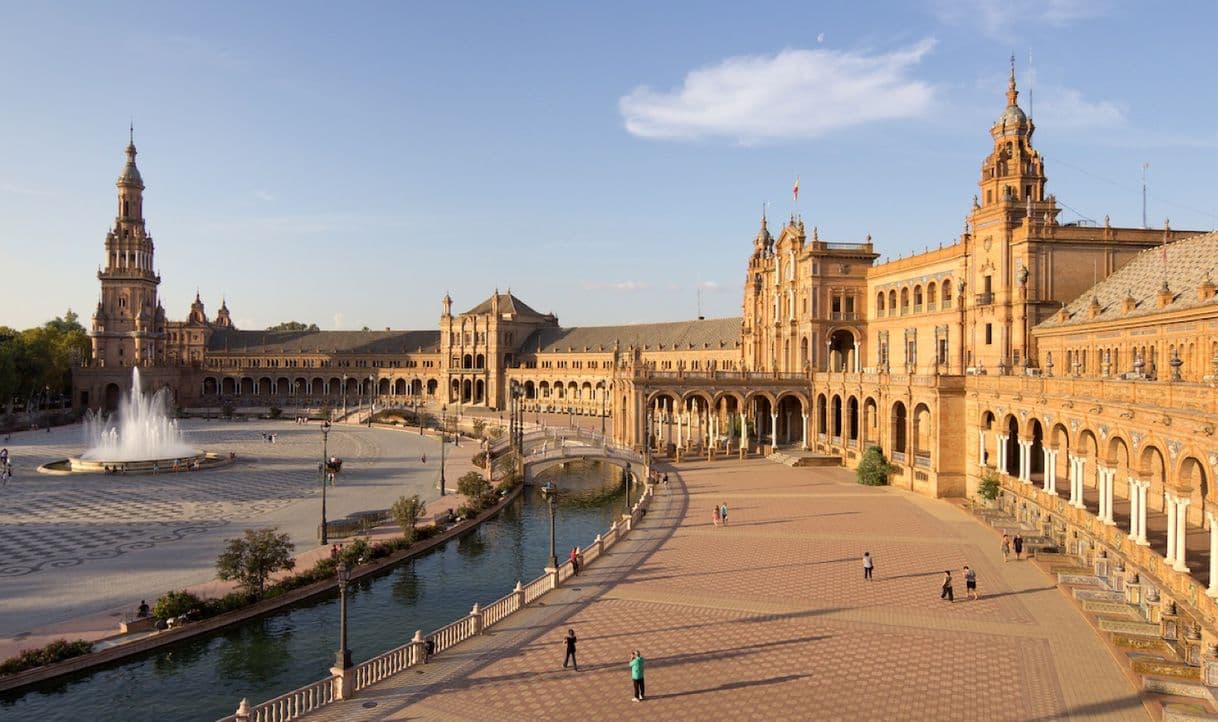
column 75, row 547
column 770, row 618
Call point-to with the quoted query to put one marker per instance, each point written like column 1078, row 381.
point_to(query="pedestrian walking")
column 1017, row 542
column 947, row 587
column 715, row 516
column 570, row 657
column 636, row 676
column 868, row 565
column 429, row 648
column 723, row 513
column 970, row 583
column 574, row 560
column 1006, row 548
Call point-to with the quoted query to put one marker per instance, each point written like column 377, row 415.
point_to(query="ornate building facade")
column 1077, row 362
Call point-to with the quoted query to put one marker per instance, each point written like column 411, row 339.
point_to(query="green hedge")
column 56, row 651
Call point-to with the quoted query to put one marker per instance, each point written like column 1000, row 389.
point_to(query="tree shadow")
column 732, row 685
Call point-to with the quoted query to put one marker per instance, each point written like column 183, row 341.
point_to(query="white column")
column 680, row 436
column 773, row 431
column 1076, row 481
column 1169, row 508
column 1002, row 454
column 1025, row 462
column 1181, row 534
column 1134, row 498
column 1213, row 589
column 1143, row 492
column 1050, row 462
column 804, row 444
column 744, row 432
column 1107, row 482
column 981, row 448
column 857, row 358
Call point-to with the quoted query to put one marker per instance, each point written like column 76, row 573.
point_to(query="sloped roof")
column 711, row 333
column 1189, row 261
column 507, row 304
column 235, row 341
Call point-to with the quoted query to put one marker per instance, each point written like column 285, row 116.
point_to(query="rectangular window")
column 989, row 331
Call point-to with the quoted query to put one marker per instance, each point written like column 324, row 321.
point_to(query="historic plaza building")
column 1095, row 403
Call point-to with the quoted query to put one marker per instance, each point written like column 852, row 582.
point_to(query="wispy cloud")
column 1067, row 109
column 998, row 17
column 710, row 286
column 623, row 286
column 264, row 195
column 309, row 223
column 794, row 94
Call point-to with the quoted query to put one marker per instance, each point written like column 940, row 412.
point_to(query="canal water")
column 203, row 679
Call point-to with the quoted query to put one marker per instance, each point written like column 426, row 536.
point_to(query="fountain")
column 140, row 436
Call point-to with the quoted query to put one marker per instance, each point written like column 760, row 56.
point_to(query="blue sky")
column 349, row 163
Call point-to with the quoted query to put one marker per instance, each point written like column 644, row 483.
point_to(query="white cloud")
column 624, row 286
column 1067, row 109
column 794, row 94
column 264, row 195
column 998, row 17
column 711, row 286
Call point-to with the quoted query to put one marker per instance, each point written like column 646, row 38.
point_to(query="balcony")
column 984, row 299
column 843, row 316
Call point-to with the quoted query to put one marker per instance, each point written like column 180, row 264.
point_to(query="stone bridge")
column 541, row 461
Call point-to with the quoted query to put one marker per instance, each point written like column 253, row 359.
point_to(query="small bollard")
column 243, row 711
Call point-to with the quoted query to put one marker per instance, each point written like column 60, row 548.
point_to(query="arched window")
column 947, row 293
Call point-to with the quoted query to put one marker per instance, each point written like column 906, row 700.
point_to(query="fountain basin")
column 77, row 465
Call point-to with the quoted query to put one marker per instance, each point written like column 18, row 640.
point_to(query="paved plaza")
column 73, row 548
column 770, row 618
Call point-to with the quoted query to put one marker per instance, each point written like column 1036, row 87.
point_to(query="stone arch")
column 265, row 386
column 544, row 389
column 871, row 421
column 432, row 386
column 762, row 404
column 923, row 433
column 852, row 420
column 822, row 415
column 1059, row 438
column 228, row 385
column 1036, row 453
column 790, row 409
column 905, row 300
column 530, row 389
column 835, row 418
column 479, row 391
column 804, row 359
column 932, row 294
column 247, row 386
column 210, row 386
column 898, row 421
column 281, row 386
column 480, row 361
column 879, row 303
column 1011, row 428
column 317, row 385
column 946, row 295
column 384, row 387
column 917, row 296
column 112, row 397
column 892, row 302
column 467, row 361
column 399, row 387
column 841, row 350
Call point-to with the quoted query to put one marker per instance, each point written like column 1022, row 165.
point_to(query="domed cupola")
column 1012, row 120
column 131, row 173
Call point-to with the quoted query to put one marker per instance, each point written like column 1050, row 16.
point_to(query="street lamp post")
column 342, row 658
column 344, row 394
column 443, row 438
column 551, row 492
column 626, row 478
column 602, row 416
column 325, row 459
column 371, row 399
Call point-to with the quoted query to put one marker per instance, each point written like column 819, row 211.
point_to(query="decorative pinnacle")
column 1012, row 93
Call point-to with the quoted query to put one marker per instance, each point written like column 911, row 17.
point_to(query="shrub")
column 473, row 485
column 989, row 486
column 479, row 427
column 509, row 482
column 56, row 651
column 407, row 511
column 873, row 468
column 252, row 558
column 275, row 412
column 479, row 460
column 175, row 604
column 358, row 550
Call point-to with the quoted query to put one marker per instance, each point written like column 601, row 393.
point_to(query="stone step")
column 1177, row 686
column 1079, row 579
column 1178, row 711
column 1098, row 595
column 1142, row 644
column 1110, row 609
column 1151, row 667
column 1130, row 628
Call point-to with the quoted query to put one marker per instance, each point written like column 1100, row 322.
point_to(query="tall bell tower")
column 129, row 323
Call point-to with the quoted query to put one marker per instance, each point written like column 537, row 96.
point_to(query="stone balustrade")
column 301, row 701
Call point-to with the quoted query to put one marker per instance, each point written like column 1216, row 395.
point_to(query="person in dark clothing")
column 947, row 587
column 1017, row 543
column 570, row 641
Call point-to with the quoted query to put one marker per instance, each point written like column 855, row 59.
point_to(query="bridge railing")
column 299, row 702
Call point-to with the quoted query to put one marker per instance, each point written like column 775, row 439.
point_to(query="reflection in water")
column 471, row 545
column 255, row 651
column 204, row 679
column 407, row 585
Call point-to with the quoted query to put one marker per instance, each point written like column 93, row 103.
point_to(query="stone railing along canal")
column 344, row 684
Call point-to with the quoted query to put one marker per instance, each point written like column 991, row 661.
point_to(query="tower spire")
column 1012, row 93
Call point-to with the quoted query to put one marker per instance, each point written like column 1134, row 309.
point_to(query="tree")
column 873, row 468
column 293, row 326
column 474, row 487
column 479, row 427
column 39, row 360
column 989, row 486
column 407, row 511
column 252, row 559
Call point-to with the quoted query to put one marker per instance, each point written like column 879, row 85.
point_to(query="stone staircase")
column 796, row 458
column 1165, row 678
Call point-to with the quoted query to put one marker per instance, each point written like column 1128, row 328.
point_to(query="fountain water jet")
column 140, row 436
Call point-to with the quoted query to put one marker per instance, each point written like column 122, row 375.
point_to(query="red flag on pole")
column 795, row 189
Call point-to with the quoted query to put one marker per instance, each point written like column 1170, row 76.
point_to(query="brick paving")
column 769, row 618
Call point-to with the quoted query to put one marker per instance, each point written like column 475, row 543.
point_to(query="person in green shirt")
column 636, row 675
